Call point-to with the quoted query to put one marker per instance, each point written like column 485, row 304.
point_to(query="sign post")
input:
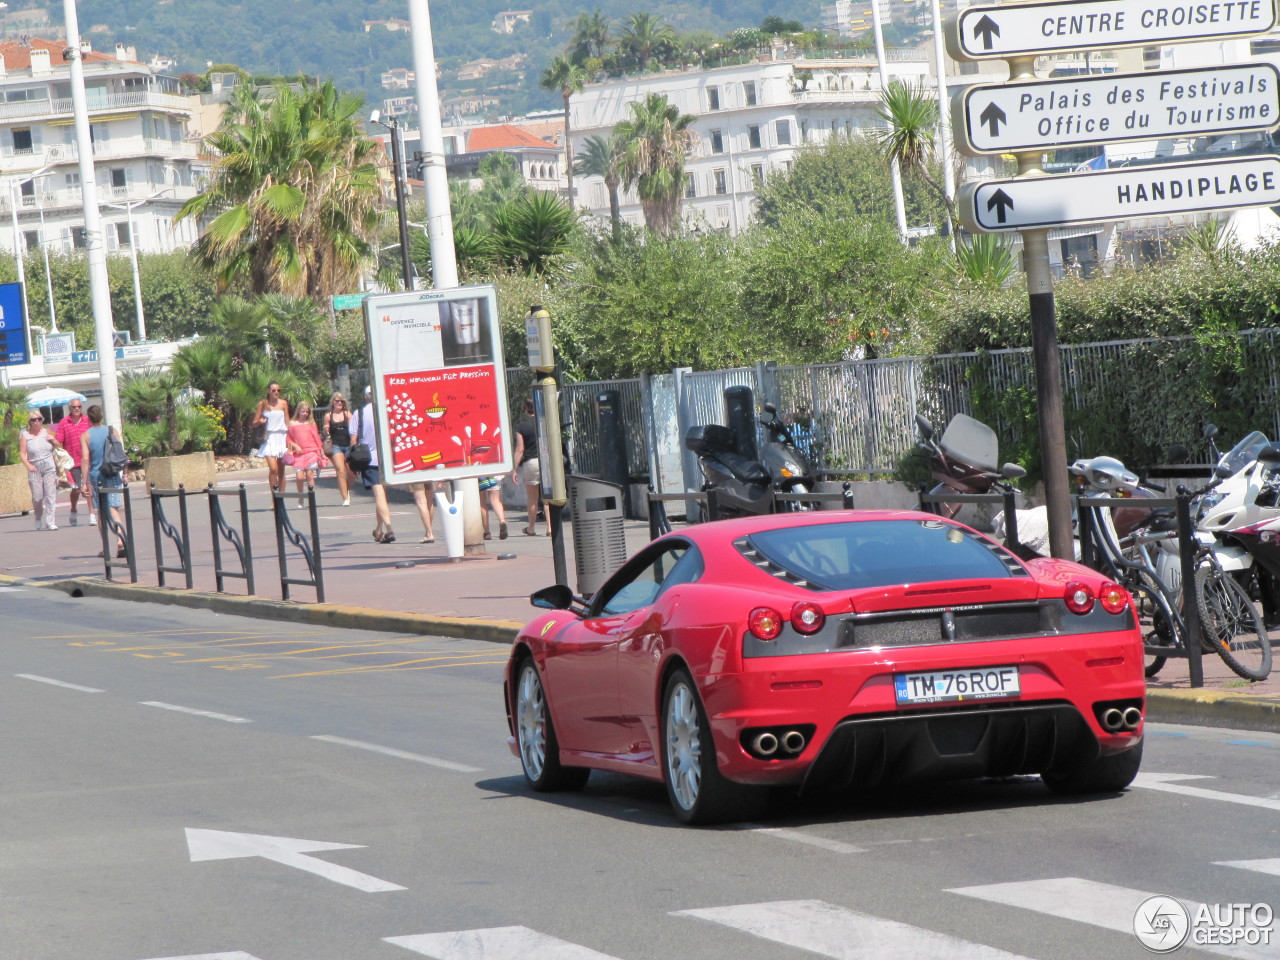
column 440, row 392
column 1028, row 116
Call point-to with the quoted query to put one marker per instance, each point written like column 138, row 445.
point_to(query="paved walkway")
column 414, row 587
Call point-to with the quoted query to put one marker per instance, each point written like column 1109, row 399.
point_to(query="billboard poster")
column 440, row 393
column 13, row 326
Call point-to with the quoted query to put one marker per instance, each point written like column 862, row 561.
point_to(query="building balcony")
column 53, row 200
column 32, row 110
column 116, row 148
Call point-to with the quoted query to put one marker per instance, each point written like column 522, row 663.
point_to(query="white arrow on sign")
column 1043, row 114
column 1027, row 29
column 222, row 845
column 1024, row 203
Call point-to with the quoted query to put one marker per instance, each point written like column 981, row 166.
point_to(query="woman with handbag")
column 273, row 413
column 93, row 447
column 36, row 445
column 337, row 431
column 305, row 451
column 365, row 444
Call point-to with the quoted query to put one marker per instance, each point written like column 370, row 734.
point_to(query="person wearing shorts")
column 366, row 432
column 528, row 471
column 68, row 433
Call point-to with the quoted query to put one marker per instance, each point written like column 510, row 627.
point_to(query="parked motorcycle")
column 742, row 485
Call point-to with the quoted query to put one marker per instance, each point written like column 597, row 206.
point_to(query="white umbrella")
column 52, row 397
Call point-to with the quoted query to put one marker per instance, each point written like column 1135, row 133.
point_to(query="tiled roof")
column 502, row 137
column 17, row 56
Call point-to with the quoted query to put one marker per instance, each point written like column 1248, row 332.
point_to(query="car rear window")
column 880, row 553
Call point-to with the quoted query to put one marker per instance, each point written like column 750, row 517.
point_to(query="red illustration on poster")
column 443, row 418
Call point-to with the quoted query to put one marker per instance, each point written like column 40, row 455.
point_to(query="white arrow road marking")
column 1099, row 904
column 1258, row 866
column 222, row 845
column 495, row 943
column 1164, row 781
column 57, row 683
column 843, row 934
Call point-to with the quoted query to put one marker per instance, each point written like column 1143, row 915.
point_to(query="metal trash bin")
column 599, row 536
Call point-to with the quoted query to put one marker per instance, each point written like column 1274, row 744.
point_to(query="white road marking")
column 1164, row 782
column 237, row 955
column 58, row 683
column 223, row 845
column 1271, row 866
column 782, row 833
column 13, row 589
column 844, row 934
column 400, row 754
column 194, row 712
column 1098, row 904
column 495, row 943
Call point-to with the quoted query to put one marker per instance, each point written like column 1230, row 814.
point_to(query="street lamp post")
column 392, row 123
column 14, row 183
column 128, row 207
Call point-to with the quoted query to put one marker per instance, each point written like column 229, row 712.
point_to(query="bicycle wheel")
column 1161, row 626
column 1232, row 624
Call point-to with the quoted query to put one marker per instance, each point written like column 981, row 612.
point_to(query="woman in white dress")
column 273, row 413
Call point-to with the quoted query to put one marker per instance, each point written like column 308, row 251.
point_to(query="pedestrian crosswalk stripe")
column 495, row 943
column 236, row 955
column 844, row 934
column 1099, row 904
column 1271, row 866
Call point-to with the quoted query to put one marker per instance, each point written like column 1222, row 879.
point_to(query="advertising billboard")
column 439, row 382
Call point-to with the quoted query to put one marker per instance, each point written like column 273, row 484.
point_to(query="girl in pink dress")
column 306, row 448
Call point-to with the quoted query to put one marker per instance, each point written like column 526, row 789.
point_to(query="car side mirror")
column 1177, row 454
column 1210, row 431
column 1011, row 471
column 555, row 597
column 1270, row 453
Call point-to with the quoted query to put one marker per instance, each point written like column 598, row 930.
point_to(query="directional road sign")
column 1026, row 203
column 1111, row 108
column 1027, row 29
column 348, row 301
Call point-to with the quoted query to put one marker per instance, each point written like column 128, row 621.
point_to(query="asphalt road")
column 142, row 744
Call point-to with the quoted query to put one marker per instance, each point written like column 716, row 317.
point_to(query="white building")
column 751, row 118
column 144, row 156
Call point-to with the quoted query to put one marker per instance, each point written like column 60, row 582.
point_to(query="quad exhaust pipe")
column 1114, row 719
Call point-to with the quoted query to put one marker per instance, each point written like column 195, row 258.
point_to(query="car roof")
column 727, row 531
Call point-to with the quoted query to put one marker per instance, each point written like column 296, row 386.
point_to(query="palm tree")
column 605, row 157
column 646, row 36
column 243, row 325
column 912, row 115
column 569, row 78
column 590, row 36
column 294, row 195
column 658, row 138
column 532, row 231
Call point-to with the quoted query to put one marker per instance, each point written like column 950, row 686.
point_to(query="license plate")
column 939, row 686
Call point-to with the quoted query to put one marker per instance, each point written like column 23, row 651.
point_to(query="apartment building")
column 751, row 119
column 145, row 158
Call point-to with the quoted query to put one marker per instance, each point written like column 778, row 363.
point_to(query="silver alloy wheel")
column 531, row 722
column 684, row 746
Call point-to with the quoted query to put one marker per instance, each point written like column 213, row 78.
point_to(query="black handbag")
column 359, row 457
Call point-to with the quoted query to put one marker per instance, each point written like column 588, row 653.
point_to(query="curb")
column 1214, row 708
column 319, row 614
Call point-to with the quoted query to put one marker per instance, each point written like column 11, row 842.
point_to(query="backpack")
column 114, row 459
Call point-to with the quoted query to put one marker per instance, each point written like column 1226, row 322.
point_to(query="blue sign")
column 13, row 326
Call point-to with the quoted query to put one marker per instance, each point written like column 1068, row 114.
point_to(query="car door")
column 581, row 662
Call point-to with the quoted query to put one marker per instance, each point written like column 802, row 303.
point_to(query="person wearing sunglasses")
column 36, row 444
column 68, row 433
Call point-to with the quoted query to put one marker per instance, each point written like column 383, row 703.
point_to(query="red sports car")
column 829, row 649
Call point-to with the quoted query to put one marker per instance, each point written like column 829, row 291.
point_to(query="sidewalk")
column 412, row 587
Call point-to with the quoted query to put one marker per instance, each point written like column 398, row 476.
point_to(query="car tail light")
column 807, row 617
column 1113, row 597
column 1078, row 597
column 765, row 623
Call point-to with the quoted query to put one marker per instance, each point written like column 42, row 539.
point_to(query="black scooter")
column 744, row 486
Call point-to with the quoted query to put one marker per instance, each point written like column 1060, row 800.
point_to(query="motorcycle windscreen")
column 972, row 442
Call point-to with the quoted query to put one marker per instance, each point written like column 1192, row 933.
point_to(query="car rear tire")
column 1109, row 774
column 536, row 737
column 698, row 793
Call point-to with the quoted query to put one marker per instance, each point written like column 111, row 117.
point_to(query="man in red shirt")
column 68, row 434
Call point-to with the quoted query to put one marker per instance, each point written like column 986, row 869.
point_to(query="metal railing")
column 309, row 547
column 238, row 539
column 161, row 529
